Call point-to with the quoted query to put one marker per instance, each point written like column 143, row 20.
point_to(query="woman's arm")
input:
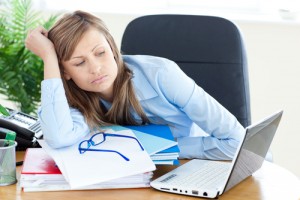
column 61, row 125
column 223, row 128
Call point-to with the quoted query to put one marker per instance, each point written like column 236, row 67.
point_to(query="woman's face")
column 92, row 65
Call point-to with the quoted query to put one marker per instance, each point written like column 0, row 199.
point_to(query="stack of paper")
column 158, row 142
column 40, row 173
column 93, row 167
column 49, row 169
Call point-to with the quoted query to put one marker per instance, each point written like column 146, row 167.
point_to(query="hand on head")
column 38, row 43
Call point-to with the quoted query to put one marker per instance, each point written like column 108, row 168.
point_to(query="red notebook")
column 37, row 161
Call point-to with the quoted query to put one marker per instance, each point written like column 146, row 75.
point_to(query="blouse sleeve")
column 224, row 131
column 61, row 125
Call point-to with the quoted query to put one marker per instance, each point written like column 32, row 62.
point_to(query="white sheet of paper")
column 56, row 157
column 95, row 167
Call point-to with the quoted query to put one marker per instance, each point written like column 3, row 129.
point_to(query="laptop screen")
column 254, row 149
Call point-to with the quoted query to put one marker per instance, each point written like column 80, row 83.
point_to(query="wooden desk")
column 270, row 182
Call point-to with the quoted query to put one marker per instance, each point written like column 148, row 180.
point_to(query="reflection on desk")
column 269, row 182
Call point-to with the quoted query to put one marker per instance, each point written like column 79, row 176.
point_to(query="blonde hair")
column 65, row 35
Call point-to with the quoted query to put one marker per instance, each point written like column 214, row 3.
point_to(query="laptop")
column 209, row 178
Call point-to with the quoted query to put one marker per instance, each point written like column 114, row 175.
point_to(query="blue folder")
column 153, row 144
column 159, row 131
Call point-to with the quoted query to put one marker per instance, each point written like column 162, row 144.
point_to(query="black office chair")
column 208, row 49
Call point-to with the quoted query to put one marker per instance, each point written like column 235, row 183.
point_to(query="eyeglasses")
column 99, row 138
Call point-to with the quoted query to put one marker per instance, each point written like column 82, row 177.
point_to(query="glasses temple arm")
column 105, row 150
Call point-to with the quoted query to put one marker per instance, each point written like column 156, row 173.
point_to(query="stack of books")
column 167, row 156
column 47, row 169
column 40, row 173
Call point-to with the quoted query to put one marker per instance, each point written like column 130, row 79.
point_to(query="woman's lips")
column 99, row 79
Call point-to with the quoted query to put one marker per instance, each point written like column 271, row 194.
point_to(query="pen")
column 10, row 135
column 19, row 163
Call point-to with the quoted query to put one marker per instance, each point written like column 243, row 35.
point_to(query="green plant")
column 21, row 72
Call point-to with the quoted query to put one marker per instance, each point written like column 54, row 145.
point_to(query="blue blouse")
column 202, row 127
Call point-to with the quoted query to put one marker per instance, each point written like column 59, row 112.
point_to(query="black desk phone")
column 27, row 128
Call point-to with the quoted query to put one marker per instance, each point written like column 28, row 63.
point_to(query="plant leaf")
column 21, row 70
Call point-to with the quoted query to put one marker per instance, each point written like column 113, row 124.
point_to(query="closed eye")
column 100, row 53
column 79, row 64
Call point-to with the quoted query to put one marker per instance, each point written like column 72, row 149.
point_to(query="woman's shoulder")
column 146, row 62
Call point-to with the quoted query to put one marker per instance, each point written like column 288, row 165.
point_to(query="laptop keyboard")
column 211, row 174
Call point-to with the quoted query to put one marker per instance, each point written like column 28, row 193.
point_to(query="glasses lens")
column 85, row 145
column 98, row 138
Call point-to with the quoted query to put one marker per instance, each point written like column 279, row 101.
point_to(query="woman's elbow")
column 55, row 144
column 232, row 147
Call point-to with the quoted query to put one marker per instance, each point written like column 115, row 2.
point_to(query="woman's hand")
column 38, row 43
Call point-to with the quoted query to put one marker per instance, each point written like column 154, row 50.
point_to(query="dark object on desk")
column 23, row 142
column 19, row 163
column 27, row 128
column 208, row 49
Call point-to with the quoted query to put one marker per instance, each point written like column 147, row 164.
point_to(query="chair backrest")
column 208, row 49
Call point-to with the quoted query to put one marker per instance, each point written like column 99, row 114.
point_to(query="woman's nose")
column 95, row 67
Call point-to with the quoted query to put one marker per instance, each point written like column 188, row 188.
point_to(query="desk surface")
column 270, row 182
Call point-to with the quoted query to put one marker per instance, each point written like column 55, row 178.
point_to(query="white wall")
column 274, row 69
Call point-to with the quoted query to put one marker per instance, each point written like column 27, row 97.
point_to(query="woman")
column 88, row 83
